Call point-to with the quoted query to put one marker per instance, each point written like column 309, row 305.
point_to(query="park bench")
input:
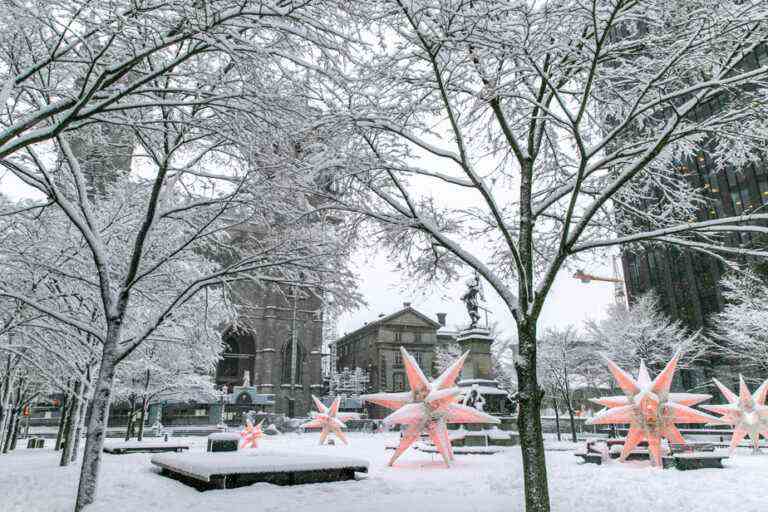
column 205, row 471
column 136, row 447
column 590, row 457
column 675, row 448
column 694, row 460
column 36, row 442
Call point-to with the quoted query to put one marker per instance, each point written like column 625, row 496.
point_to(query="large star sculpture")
column 428, row 407
column 251, row 434
column 329, row 419
column 746, row 413
column 650, row 409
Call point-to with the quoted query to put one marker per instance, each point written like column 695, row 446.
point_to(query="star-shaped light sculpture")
column 650, row 409
column 746, row 413
column 251, row 434
column 329, row 419
column 429, row 407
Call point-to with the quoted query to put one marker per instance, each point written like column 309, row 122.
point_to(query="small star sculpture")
column 429, row 407
column 329, row 419
column 746, row 413
column 650, row 409
column 251, row 434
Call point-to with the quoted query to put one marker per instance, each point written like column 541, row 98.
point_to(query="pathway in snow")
column 31, row 481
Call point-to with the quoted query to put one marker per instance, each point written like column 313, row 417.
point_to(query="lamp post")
column 222, row 417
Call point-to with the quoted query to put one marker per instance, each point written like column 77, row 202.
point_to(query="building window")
column 398, row 381
column 383, row 373
column 228, row 366
column 634, row 273
column 287, row 359
column 417, row 337
column 762, row 184
column 398, row 360
column 418, row 357
column 398, row 337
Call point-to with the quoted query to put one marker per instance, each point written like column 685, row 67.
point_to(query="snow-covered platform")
column 229, row 470
column 143, row 447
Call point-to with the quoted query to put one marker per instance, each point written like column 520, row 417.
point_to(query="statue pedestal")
column 478, row 341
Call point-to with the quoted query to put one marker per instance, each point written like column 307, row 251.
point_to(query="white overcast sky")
column 569, row 303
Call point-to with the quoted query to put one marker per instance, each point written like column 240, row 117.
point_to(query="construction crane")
column 619, row 294
column 588, row 278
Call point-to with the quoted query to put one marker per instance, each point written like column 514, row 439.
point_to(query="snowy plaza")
column 384, row 255
column 419, row 482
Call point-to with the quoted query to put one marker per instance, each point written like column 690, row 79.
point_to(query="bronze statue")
column 471, row 298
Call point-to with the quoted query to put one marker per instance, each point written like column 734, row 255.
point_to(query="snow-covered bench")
column 236, row 469
column 675, row 448
column 589, row 457
column 694, row 460
column 143, row 447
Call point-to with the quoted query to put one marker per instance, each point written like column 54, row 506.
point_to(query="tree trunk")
column 16, row 428
column 5, row 401
column 62, row 422
column 557, row 419
column 79, row 430
column 529, row 422
column 97, row 423
column 9, row 430
column 129, row 425
column 72, row 421
column 142, row 418
column 569, row 406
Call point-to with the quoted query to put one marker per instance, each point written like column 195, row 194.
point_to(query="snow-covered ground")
column 31, row 481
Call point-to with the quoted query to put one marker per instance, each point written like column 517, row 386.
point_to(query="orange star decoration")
column 329, row 419
column 746, row 413
column 251, row 434
column 650, row 409
column 428, row 407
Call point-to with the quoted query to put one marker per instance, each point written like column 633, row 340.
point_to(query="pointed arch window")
column 228, row 366
column 287, row 359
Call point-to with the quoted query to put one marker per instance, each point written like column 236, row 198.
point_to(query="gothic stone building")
column 375, row 347
column 278, row 342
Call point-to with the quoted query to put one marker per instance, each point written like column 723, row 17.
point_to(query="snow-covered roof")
column 388, row 318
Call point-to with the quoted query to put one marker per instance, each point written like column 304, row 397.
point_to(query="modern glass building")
column 686, row 281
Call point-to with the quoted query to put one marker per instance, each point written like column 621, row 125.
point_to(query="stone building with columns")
column 375, row 347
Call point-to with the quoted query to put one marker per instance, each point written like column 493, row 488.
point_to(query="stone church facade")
column 278, row 341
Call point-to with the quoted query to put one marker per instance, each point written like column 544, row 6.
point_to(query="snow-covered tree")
column 500, row 135
column 349, row 382
column 179, row 364
column 643, row 332
column 223, row 162
column 563, row 356
column 741, row 329
column 445, row 355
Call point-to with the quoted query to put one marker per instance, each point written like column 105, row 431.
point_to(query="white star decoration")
column 746, row 413
column 329, row 419
column 650, row 409
column 429, row 406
